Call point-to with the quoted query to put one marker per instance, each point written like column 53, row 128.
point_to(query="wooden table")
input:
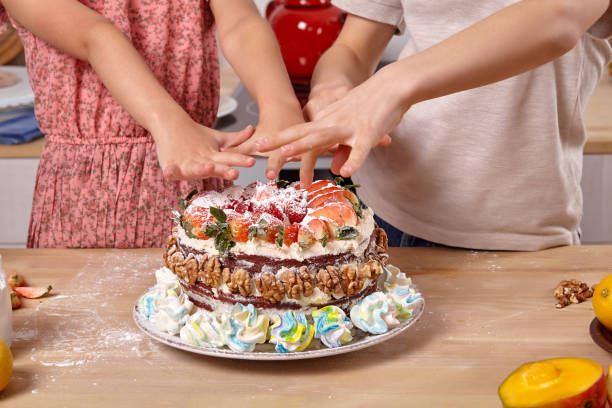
column 485, row 314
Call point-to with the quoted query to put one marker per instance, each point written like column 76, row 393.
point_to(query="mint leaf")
column 184, row 202
column 347, row 232
column 280, row 236
column 323, row 241
column 211, row 230
column 176, row 216
column 188, row 229
column 282, row 183
column 218, row 214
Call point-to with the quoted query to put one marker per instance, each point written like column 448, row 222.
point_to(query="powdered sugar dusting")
column 88, row 321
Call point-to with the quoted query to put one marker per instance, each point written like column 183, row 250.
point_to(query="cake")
column 275, row 263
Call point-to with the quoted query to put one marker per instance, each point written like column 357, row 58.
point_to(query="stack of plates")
column 17, row 120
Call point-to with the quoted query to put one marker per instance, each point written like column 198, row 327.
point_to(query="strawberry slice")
column 315, row 230
column 196, row 218
column 16, row 280
column 291, row 234
column 239, row 228
column 305, row 237
column 32, row 292
column 334, row 196
column 324, row 190
column 340, row 213
column 318, row 185
column 295, row 211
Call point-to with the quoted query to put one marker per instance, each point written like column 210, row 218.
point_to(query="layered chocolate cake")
column 277, row 248
column 278, row 264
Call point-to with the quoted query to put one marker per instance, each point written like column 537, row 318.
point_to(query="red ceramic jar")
column 305, row 29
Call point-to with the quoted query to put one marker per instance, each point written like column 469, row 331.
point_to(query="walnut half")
column 270, row 288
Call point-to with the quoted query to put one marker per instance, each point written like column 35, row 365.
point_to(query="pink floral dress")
column 99, row 183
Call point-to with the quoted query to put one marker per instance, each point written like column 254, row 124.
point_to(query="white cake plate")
column 266, row 351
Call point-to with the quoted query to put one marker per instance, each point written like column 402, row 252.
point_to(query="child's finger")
column 233, row 159
column 309, row 160
column 197, row 170
column 340, row 156
column 275, row 163
column 385, row 141
column 286, row 136
column 358, row 154
column 235, row 138
column 226, row 172
column 320, row 139
column 171, row 172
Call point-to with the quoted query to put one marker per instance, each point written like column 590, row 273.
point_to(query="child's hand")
column 188, row 150
column 356, row 123
column 271, row 122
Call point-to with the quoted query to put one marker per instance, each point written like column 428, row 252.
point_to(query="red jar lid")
column 306, row 3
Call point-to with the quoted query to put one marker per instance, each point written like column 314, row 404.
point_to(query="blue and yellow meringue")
column 404, row 298
column 374, row 314
column 332, row 326
column 146, row 303
column 247, row 328
column 291, row 332
column 400, row 292
column 205, row 329
column 171, row 312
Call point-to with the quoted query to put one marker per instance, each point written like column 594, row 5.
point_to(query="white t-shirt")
column 497, row 167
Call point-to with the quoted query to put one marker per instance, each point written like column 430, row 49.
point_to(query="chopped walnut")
column 239, row 281
column 307, row 280
column 370, row 270
column 175, row 260
column 191, row 269
column 382, row 241
column 571, row 291
column 351, row 282
column 210, row 271
column 269, row 287
column 294, row 287
column 328, row 280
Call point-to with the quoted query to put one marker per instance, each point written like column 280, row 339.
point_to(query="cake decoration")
column 291, row 332
column 247, row 328
column 205, row 329
column 275, row 263
column 171, row 312
column 332, row 326
column 374, row 314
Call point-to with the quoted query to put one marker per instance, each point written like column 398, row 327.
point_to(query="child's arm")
column 250, row 46
column 185, row 148
column 514, row 40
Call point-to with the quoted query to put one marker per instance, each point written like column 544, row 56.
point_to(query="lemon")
column 6, row 364
column 602, row 301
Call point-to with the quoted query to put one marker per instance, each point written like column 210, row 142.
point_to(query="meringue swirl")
column 332, row 326
column 291, row 332
column 247, row 328
column 205, row 329
column 404, row 298
column 171, row 312
column 374, row 314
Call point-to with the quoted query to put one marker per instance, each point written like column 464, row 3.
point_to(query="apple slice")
column 29, row 292
column 558, row 382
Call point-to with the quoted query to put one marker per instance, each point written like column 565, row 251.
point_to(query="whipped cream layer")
column 356, row 246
